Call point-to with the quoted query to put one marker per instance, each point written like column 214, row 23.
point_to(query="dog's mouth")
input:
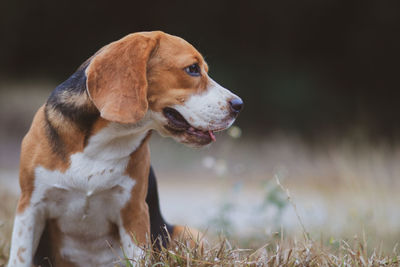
column 177, row 124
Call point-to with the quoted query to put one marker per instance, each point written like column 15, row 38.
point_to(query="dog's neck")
column 116, row 141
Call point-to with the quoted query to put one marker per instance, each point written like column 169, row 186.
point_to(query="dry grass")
column 276, row 253
column 7, row 209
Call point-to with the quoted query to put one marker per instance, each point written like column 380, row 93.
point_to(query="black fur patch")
column 83, row 116
column 158, row 225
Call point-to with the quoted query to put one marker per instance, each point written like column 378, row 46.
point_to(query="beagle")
column 85, row 161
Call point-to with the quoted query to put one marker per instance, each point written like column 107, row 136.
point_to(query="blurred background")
column 320, row 82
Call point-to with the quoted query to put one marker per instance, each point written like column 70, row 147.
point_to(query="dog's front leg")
column 28, row 227
column 134, row 231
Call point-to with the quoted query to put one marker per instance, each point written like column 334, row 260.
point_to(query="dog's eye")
column 193, row 70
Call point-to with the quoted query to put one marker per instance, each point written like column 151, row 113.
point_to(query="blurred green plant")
column 274, row 197
column 222, row 222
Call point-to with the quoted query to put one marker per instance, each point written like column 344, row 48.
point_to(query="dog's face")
column 168, row 81
column 186, row 103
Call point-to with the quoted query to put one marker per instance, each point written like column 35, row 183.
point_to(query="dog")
column 85, row 174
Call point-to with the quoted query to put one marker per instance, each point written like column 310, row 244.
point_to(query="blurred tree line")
column 308, row 66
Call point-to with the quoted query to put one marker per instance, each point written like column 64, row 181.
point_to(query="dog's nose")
column 236, row 105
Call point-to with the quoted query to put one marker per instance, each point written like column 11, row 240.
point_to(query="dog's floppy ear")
column 116, row 77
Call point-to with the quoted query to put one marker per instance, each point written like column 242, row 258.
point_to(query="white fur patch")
column 28, row 226
column 209, row 110
column 130, row 249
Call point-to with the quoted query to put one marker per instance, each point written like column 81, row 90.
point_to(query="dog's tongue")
column 212, row 135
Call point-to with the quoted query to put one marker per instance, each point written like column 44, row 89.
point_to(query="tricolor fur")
column 85, row 161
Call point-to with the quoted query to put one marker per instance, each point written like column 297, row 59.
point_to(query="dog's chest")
column 85, row 201
column 89, row 191
column 95, row 186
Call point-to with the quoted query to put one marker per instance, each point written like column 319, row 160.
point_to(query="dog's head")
column 159, row 77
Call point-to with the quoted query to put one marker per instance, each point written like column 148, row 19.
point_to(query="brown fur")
column 188, row 234
column 135, row 215
column 168, row 84
column 36, row 150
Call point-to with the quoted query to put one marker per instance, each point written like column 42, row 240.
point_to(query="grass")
column 279, row 251
column 276, row 253
column 7, row 209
